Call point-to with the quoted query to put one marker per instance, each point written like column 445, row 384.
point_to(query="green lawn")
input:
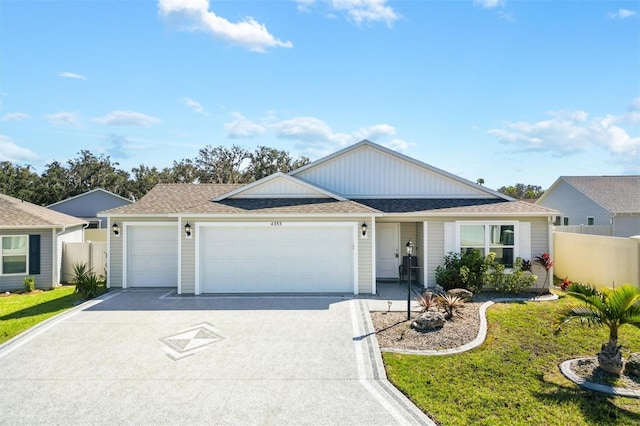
column 19, row 312
column 514, row 378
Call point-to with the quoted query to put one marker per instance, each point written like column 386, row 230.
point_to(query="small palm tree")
column 612, row 308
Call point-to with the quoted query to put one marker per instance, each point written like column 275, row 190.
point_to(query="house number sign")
column 276, row 223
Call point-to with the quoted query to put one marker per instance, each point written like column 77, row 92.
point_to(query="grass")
column 514, row 378
column 20, row 312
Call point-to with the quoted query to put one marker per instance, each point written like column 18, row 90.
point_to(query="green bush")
column 29, row 283
column 516, row 281
column 87, row 282
column 462, row 271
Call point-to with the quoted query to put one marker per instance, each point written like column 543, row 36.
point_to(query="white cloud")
column 15, row 116
column 622, row 14
column 397, row 145
column 359, row 11
column 9, row 151
column 63, row 118
column 241, row 127
column 127, row 118
column 66, row 74
column 571, row 132
column 313, row 137
column 194, row 15
column 489, row 4
column 194, row 105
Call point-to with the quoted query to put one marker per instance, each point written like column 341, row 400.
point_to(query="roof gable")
column 278, row 185
column 90, row 195
column 617, row 194
column 15, row 213
column 368, row 170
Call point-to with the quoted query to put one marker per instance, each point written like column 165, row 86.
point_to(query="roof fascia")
column 403, row 157
column 42, row 226
column 551, row 188
column 277, row 175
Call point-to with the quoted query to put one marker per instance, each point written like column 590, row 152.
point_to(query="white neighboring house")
column 339, row 224
column 612, row 201
column 31, row 240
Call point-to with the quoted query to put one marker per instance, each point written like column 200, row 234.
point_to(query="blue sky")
column 505, row 90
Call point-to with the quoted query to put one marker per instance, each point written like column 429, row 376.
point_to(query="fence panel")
column 599, row 260
column 585, row 229
column 92, row 253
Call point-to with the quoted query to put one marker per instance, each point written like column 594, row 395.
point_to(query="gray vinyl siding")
column 89, row 204
column 626, row 226
column 188, row 260
column 436, row 241
column 44, row 280
column 575, row 205
column 365, row 260
column 413, row 231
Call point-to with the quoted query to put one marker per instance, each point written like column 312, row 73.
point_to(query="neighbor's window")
column 498, row 238
column 591, row 220
column 14, row 255
column 565, row 221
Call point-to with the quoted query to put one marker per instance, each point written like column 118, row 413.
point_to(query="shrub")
column 427, row 301
column 564, row 285
column 29, row 283
column 462, row 271
column 89, row 285
column 517, row 280
column 451, row 305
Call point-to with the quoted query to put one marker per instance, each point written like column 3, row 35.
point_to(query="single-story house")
column 31, row 239
column 612, row 201
column 339, row 224
column 87, row 205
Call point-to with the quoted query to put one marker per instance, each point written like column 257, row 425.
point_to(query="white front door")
column 387, row 250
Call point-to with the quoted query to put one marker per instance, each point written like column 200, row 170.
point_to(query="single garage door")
column 152, row 255
column 277, row 258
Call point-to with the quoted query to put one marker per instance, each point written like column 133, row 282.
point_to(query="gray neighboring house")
column 86, row 206
column 597, row 200
column 31, row 239
column 339, row 224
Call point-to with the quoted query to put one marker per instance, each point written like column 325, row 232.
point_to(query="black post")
column 409, row 289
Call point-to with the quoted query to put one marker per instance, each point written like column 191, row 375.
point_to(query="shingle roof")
column 453, row 206
column 15, row 213
column 618, row 194
column 171, row 199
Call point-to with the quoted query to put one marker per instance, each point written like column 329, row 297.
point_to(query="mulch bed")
column 588, row 369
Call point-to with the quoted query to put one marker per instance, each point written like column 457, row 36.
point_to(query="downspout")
column 550, row 243
column 55, row 235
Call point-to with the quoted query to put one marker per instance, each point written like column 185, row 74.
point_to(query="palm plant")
column 612, row 308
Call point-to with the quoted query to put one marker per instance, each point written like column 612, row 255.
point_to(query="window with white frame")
column 498, row 238
column 13, row 254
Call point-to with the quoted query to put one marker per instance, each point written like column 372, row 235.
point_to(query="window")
column 565, row 221
column 14, row 255
column 495, row 238
column 591, row 220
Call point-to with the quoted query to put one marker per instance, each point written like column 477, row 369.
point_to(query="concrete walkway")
column 146, row 357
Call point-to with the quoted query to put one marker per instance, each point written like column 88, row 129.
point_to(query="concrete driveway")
column 147, row 357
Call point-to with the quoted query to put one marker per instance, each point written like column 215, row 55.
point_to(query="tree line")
column 89, row 171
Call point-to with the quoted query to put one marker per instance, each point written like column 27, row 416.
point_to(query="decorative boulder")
column 462, row 293
column 632, row 366
column 437, row 290
column 428, row 321
column 610, row 359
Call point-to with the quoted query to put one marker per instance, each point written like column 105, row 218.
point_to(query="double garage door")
column 265, row 257
column 276, row 257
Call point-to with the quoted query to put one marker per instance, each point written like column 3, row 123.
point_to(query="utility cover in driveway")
column 277, row 257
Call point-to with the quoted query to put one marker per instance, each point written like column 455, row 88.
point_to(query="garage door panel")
column 152, row 256
column 281, row 259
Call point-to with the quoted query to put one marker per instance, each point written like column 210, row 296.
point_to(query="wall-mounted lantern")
column 363, row 227
column 116, row 229
column 187, row 230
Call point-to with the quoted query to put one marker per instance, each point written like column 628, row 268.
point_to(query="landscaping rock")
column 429, row 320
column 462, row 293
column 437, row 290
column 632, row 366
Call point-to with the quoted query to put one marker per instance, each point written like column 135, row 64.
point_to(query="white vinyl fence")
column 601, row 261
column 92, row 253
column 585, row 229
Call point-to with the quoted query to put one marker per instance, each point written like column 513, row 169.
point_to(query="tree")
column 265, row 161
column 19, row 181
column 88, row 172
column 480, row 181
column 221, row 164
column 54, row 184
column 611, row 308
column 520, row 191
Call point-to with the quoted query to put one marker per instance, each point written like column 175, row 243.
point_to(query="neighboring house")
column 597, row 200
column 86, row 206
column 31, row 240
column 339, row 224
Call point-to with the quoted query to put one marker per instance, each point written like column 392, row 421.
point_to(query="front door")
column 387, row 250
